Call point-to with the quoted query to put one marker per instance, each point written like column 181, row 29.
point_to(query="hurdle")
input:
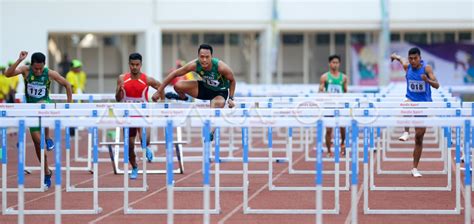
column 445, row 152
column 319, row 171
column 335, row 111
column 170, row 123
column 285, row 122
column 336, row 171
column 4, row 113
column 408, row 110
column 378, row 123
column 255, row 123
column 217, row 171
column 446, row 164
column 23, row 123
column 440, row 122
column 144, row 186
column 468, row 105
column 68, row 113
column 78, row 97
column 400, row 112
column 135, row 109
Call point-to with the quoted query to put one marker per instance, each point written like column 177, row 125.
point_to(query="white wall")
column 213, row 14
column 314, row 14
column 432, row 14
column 25, row 24
column 30, row 30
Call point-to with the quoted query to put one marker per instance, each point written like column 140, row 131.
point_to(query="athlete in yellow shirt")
column 13, row 82
column 77, row 77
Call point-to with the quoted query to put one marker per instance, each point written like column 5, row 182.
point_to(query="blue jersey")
column 417, row 89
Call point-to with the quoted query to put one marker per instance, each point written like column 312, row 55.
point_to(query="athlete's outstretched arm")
column 62, row 81
column 431, row 79
column 322, row 83
column 156, row 85
column 14, row 70
column 191, row 66
column 119, row 91
column 400, row 59
column 225, row 70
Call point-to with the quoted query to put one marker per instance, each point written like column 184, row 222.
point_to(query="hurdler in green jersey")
column 334, row 81
column 217, row 82
column 37, row 83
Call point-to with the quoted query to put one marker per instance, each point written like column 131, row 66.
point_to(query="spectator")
column 77, row 77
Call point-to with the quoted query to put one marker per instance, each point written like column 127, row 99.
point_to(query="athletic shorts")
column 205, row 93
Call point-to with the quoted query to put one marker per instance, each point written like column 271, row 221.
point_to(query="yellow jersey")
column 77, row 80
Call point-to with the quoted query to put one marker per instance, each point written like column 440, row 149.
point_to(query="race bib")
column 334, row 88
column 416, row 86
column 36, row 91
column 213, row 83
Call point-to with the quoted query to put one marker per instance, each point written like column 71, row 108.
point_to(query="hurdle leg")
column 4, row 185
column 179, row 150
column 144, row 159
column 95, row 183
column 467, row 180
column 447, row 154
column 458, row 168
column 42, row 155
column 245, row 169
column 169, row 172
column 366, row 172
column 24, row 155
column 319, row 176
column 289, row 152
column 337, row 147
column 117, row 150
column 125, row 168
column 21, row 174
column 336, row 187
column 3, row 132
column 444, row 156
column 348, row 134
column 372, row 158
column 371, row 166
column 57, row 194
column 250, row 137
column 68, row 160
column 76, row 144
column 381, row 151
column 354, row 151
column 217, row 159
column 306, row 144
column 206, row 161
column 89, row 149
column 270, row 158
